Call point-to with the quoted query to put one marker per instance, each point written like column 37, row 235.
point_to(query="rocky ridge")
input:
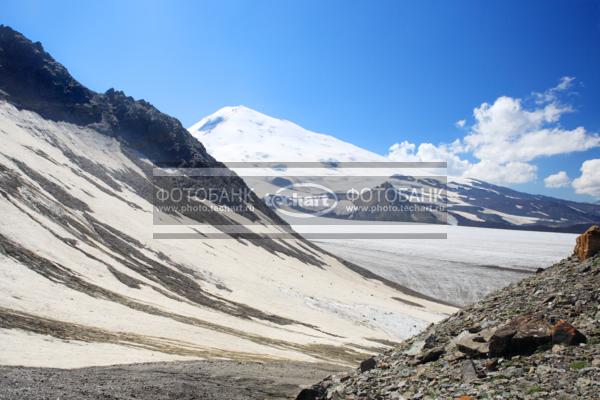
column 536, row 339
column 31, row 79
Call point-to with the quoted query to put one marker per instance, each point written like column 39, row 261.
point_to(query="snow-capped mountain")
column 240, row 134
column 84, row 280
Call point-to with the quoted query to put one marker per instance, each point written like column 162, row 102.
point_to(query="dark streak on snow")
column 60, row 194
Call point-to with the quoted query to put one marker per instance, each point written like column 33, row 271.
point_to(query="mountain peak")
column 239, row 113
column 240, row 133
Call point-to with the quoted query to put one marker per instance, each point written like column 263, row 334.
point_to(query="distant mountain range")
column 240, row 134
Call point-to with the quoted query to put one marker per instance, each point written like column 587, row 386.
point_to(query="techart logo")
column 316, row 199
column 303, row 200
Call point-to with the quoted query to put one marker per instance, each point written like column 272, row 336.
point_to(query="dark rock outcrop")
column 368, row 364
column 31, row 79
column 308, row 394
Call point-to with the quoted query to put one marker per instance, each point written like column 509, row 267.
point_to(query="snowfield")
column 84, row 282
column 461, row 269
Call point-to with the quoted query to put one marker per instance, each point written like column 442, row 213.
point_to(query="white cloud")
column 512, row 172
column 403, row 151
column 461, row 123
column 406, row 151
column 506, row 137
column 564, row 84
column 558, row 180
column 589, row 181
column 506, row 132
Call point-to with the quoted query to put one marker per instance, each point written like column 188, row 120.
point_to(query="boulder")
column 565, row 333
column 308, row 394
column 522, row 335
column 467, row 371
column 368, row 364
column 431, row 355
column 588, row 243
column 474, row 344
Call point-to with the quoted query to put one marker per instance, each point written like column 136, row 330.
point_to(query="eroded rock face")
column 588, row 243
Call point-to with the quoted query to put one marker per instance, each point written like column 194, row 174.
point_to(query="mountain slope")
column 522, row 342
column 235, row 134
column 84, row 281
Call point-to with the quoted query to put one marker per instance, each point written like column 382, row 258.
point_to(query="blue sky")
column 373, row 73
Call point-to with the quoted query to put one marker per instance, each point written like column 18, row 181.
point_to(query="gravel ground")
column 206, row 380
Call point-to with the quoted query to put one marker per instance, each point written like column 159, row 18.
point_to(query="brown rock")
column 457, row 355
column 565, row 333
column 588, row 243
column 431, row 355
column 467, row 345
column 522, row 335
column 491, row 364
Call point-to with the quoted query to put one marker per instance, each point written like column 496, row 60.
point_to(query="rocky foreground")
column 194, row 380
column 536, row 339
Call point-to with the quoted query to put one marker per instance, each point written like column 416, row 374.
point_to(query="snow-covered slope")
column 463, row 268
column 234, row 134
column 84, row 281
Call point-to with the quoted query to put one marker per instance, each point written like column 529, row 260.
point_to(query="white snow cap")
column 242, row 134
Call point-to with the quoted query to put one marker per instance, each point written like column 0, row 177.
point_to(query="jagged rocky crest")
column 31, row 79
